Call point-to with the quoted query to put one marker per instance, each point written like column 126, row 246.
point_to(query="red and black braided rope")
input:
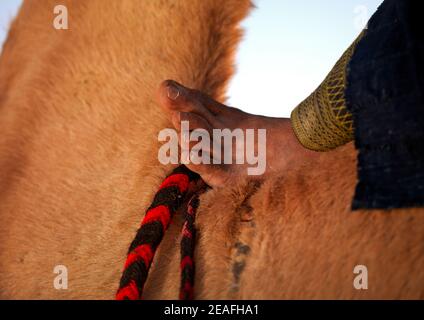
column 172, row 193
column 188, row 239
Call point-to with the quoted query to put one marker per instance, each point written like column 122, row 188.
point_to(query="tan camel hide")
column 78, row 168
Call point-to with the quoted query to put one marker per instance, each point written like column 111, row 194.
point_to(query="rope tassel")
column 172, row 193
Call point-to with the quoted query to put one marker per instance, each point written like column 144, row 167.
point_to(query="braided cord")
column 187, row 250
column 169, row 198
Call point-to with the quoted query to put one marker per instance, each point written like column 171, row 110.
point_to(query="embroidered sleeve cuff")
column 322, row 122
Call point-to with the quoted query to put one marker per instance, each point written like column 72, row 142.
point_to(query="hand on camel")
column 202, row 112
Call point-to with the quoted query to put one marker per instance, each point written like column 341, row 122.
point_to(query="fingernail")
column 173, row 92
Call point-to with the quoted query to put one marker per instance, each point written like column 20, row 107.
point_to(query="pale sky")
column 288, row 49
column 8, row 10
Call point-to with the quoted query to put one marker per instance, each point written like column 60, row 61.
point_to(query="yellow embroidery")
column 322, row 122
